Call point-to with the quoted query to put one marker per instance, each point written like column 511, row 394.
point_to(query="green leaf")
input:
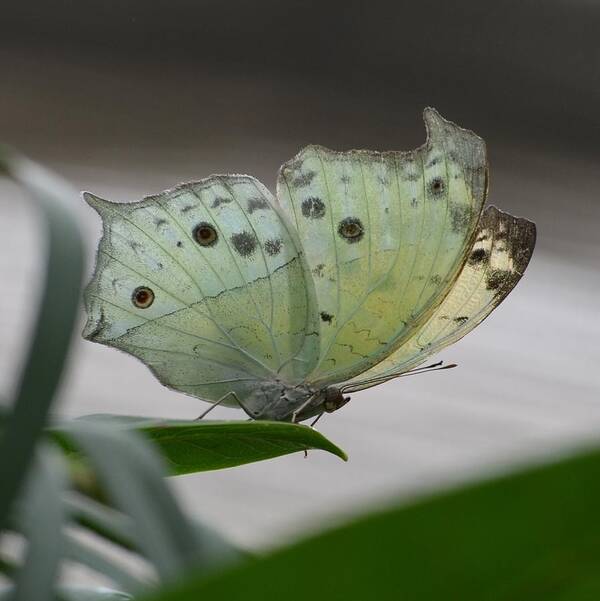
column 530, row 536
column 196, row 446
column 55, row 319
column 193, row 447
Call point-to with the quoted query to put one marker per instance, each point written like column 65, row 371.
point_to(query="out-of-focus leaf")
column 78, row 593
column 40, row 518
column 54, row 322
column 131, row 472
column 83, row 554
column 104, row 521
column 195, row 446
column 530, row 536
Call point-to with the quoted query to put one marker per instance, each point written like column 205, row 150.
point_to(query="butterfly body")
column 279, row 402
column 363, row 265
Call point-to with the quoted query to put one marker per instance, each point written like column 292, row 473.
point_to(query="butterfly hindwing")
column 385, row 235
column 498, row 258
column 232, row 301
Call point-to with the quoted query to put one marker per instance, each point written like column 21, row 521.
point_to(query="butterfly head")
column 333, row 399
column 326, row 400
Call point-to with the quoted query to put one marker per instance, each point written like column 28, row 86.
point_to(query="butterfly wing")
column 229, row 301
column 385, row 235
column 497, row 261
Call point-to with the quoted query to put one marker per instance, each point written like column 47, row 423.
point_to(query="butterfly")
column 365, row 264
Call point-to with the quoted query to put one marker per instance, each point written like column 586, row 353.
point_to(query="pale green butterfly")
column 365, row 264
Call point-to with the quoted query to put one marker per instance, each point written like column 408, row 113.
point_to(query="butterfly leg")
column 312, row 425
column 203, row 414
column 251, row 415
column 303, row 406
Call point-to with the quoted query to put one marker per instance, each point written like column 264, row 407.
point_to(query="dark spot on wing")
column 520, row 240
column 100, row 325
column 188, row 208
column 158, row 222
column 482, row 238
column 496, row 278
column 205, row 234
column 460, row 217
column 302, row 179
column 345, row 179
column 436, row 279
column 142, row 297
column 220, row 200
column 351, row 229
column 479, row 255
column 318, row 270
column 386, row 210
column 244, row 243
column 256, row 204
column 505, row 281
column 460, row 320
column 434, row 161
column 326, row 317
column 414, row 202
column 179, row 243
column 437, row 186
column 273, row 246
column 313, row 208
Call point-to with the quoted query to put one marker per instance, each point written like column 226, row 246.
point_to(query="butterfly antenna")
column 438, row 364
column 381, row 379
column 433, row 367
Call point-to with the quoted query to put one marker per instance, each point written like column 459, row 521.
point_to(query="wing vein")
column 174, row 329
column 201, row 254
column 441, row 239
column 192, row 279
column 243, row 279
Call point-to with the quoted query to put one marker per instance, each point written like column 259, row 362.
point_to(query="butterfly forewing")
column 385, row 235
column 231, row 300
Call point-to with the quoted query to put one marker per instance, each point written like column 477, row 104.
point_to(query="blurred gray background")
column 129, row 98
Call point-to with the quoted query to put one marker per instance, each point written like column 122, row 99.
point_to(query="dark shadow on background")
column 523, row 66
